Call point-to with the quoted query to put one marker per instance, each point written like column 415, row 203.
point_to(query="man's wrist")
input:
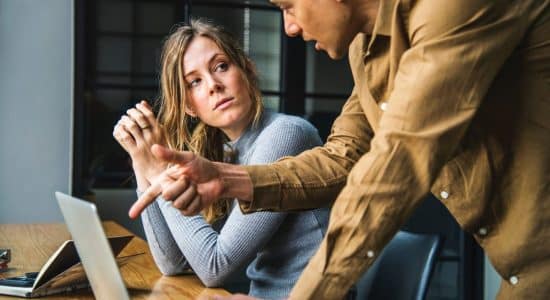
column 236, row 182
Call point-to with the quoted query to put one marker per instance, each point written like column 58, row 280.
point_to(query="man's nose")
column 291, row 28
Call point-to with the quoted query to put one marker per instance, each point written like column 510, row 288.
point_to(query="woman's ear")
column 190, row 111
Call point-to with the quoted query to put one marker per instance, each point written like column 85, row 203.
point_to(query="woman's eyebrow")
column 216, row 55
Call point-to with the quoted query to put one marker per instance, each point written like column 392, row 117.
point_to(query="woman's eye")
column 222, row 67
column 194, row 82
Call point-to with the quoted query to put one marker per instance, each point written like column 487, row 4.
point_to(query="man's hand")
column 192, row 183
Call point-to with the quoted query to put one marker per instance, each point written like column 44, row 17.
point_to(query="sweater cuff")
column 267, row 193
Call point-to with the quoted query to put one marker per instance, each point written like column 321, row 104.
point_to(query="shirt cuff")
column 315, row 285
column 267, row 193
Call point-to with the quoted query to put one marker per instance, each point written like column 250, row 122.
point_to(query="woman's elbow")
column 169, row 270
column 212, row 280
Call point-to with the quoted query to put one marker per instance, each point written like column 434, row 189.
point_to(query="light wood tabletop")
column 33, row 244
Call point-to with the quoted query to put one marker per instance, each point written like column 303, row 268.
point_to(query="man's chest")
column 374, row 73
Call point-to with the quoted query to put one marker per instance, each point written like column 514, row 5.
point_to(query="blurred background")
column 70, row 68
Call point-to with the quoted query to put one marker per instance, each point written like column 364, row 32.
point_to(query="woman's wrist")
column 148, row 171
column 142, row 183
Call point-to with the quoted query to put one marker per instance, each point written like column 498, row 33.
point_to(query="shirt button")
column 514, row 280
column 482, row 231
column 370, row 254
column 384, row 105
column 444, row 194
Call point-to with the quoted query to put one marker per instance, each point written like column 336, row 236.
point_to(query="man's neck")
column 368, row 10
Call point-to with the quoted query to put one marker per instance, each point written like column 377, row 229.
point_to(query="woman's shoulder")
column 285, row 133
column 280, row 123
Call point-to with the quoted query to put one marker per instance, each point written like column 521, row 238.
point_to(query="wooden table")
column 33, row 244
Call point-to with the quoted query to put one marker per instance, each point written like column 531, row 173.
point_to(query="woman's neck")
column 234, row 133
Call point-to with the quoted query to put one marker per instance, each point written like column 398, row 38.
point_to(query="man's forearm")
column 236, row 182
column 315, row 177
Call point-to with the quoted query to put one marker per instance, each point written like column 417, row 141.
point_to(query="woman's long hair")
column 204, row 140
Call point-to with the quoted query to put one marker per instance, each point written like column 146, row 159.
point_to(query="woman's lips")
column 224, row 103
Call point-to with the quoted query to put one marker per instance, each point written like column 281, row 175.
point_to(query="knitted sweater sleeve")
column 175, row 239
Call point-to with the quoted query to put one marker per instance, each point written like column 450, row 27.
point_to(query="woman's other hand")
column 136, row 132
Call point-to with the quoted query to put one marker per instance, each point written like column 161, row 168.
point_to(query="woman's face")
column 216, row 91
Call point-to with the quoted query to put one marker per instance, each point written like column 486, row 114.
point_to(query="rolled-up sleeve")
column 315, row 177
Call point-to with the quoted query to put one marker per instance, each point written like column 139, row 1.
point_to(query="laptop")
column 93, row 248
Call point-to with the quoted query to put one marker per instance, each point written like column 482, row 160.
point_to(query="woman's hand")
column 136, row 132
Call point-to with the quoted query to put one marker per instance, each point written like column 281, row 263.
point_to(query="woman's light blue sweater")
column 275, row 246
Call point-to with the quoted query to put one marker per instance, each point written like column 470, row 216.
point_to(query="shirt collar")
column 382, row 24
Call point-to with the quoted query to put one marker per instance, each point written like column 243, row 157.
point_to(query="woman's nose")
column 215, row 86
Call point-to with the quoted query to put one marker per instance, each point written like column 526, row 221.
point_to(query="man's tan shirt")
column 452, row 97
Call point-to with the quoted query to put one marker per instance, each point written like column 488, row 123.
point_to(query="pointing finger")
column 146, row 198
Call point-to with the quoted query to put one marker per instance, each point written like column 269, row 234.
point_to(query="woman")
column 206, row 76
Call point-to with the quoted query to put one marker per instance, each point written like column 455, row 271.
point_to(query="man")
column 450, row 96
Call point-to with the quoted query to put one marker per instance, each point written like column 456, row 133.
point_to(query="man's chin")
column 336, row 54
column 333, row 53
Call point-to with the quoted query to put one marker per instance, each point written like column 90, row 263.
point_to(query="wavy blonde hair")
column 204, row 140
